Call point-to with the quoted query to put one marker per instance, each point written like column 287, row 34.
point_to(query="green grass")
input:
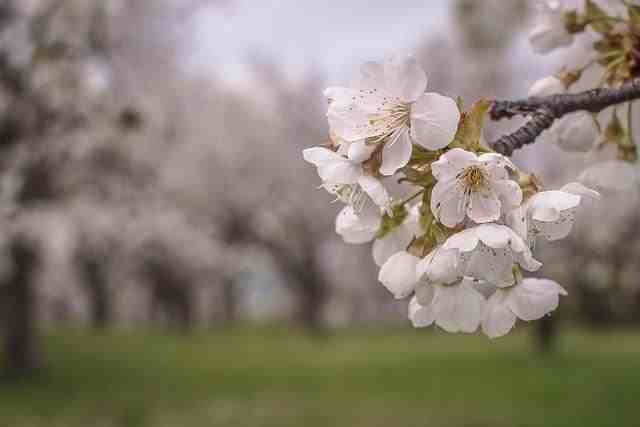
column 271, row 377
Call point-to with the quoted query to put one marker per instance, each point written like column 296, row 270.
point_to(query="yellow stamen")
column 472, row 178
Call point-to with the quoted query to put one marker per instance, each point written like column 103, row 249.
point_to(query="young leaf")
column 470, row 127
column 597, row 18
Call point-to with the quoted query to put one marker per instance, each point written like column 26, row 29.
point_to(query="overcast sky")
column 333, row 34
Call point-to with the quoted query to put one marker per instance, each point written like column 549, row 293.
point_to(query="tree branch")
column 543, row 111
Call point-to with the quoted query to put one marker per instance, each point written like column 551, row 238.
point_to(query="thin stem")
column 630, row 122
column 608, row 18
column 419, row 193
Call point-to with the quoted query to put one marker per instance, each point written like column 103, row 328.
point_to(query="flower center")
column 389, row 117
column 472, row 178
column 350, row 194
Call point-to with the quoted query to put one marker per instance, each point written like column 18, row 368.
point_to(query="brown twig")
column 543, row 111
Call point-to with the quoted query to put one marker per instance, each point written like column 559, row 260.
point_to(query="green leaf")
column 634, row 17
column 470, row 126
column 597, row 17
column 616, row 134
column 573, row 22
column 393, row 221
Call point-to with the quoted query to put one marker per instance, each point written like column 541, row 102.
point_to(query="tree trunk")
column 171, row 296
column 546, row 334
column 313, row 297
column 101, row 306
column 100, row 299
column 229, row 301
column 23, row 356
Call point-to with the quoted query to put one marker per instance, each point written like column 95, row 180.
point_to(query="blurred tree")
column 56, row 117
column 23, row 355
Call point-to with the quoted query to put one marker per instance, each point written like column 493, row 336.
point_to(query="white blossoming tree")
column 453, row 221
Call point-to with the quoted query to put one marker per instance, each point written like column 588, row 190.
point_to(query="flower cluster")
column 453, row 224
column 612, row 28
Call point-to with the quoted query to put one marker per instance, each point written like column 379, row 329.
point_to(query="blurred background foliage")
column 166, row 261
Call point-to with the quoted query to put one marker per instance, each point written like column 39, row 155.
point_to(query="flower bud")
column 576, row 132
column 546, row 86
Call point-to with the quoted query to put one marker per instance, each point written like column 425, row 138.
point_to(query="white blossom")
column 549, row 214
column 345, row 176
column 398, row 274
column 443, row 296
column 546, row 86
column 575, row 132
column 356, row 151
column 527, row 300
column 489, row 251
column 550, row 32
column 358, row 227
column 474, row 186
column 333, row 168
column 397, row 239
column 388, row 105
column 612, row 175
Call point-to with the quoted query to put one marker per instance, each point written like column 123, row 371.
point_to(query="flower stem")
column 630, row 122
column 419, row 193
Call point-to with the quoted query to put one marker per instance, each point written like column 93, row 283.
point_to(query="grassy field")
column 356, row 378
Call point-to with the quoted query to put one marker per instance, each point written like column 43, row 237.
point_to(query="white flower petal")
column 396, row 153
column 580, row 190
column 458, row 308
column 319, row 156
column 440, row 266
column 393, row 242
column 492, row 265
column 425, row 293
column 509, row 192
column 527, row 261
column 452, row 163
column 547, row 86
column 360, row 151
column 612, row 175
column 488, row 252
column 333, row 168
column 544, row 214
column 552, row 213
column 350, row 111
column 398, row 274
column 404, row 77
column 495, row 235
column 555, row 230
column 465, row 241
column 517, row 220
column 375, row 190
column 496, row 165
column 545, row 39
column 485, row 288
column 498, row 318
column 356, row 229
column 534, row 298
column 447, row 203
column 558, row 200
column 550, row 32
column 576, row 132
column 342, row 172
column 420, row 316
column 484, row 206
column 434, row 121
column 371, row 76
